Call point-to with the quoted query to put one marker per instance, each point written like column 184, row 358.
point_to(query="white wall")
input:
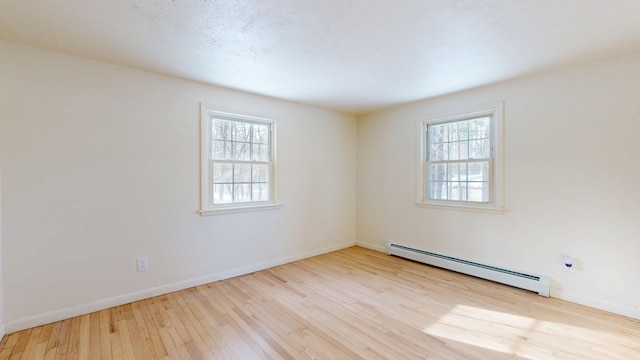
column 572, row 182
column 2, row 329
column 100, row 165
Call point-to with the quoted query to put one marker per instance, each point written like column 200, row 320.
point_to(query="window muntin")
column 459, row 160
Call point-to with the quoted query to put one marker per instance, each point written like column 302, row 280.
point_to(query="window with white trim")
column 237, row 162
column 461, row 162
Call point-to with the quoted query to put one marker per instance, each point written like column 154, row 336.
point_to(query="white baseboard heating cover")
column 531, row 282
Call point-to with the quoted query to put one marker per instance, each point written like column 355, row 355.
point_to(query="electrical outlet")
column 569, row 263
column 143, row 263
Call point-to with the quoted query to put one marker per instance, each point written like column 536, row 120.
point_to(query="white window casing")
column 491, row 196
column 237, row 163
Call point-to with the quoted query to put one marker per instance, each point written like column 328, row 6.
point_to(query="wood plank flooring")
column 350, row 304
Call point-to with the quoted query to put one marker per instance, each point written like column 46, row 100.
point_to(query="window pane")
column 463, row 130
column 463, row 150
column 453, row 151
column 437, row 172
column 241, row 151
column 485, row 192
column 222, row 193
column 260, row 134
column 438, row 133
column 479, row 128
column 462, row 171
column 241, row 131
column 221, row 129
column 241, row 173
column 455, row 189
column 221, row 150
column 260, row 173
column 240, row 182
column 260, row 192
column 463, row 191
column 479, row 171
column 438, row 190
column 439, row 152
column 260, row 153
column 222, row 173
column 479, row 191
column 453, row 131
column 452, row 172
column 242, row 192
column 459, row 130
column 479, row 149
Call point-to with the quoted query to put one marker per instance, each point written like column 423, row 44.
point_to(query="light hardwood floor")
column 349, row 304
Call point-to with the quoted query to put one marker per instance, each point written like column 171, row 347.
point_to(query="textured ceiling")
column 352, row 56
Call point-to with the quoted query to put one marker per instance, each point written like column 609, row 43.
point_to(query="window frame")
column 207, row 206
column 496, row 162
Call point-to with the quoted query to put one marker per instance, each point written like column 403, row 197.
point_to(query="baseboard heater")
column 531, row 282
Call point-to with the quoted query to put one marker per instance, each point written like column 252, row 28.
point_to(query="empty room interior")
column 319, row 179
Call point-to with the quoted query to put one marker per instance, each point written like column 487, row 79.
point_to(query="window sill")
column 239, row 209
column 459, row 207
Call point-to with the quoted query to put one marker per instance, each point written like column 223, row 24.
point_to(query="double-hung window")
column 461, row 162
column 237, row 162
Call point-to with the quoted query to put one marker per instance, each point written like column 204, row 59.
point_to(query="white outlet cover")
column 143, row 263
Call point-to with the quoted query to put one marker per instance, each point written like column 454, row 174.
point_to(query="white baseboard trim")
column 57, row 315
column 273, row 263
column 376, row 247
column 2, row 332
column 616, row 308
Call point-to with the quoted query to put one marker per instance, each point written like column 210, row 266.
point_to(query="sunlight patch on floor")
column 509, row 333
column 483, row 328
